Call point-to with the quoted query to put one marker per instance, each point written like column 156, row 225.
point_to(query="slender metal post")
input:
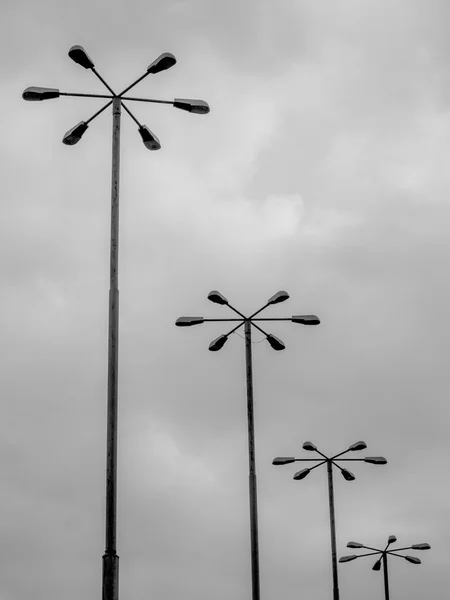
column 252, row 472
column 385, row 573
column 110, row 558
column 333, row 530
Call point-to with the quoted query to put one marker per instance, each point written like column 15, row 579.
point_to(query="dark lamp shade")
column 305, row 319
column 217, row 297
column 36, row 94
column 188, row 321
column 162, row 63
column 74, row 135
column 344, row 559
column 283, row 460
column 218, row 343
column 301, row 474
column 278, row 297
column 79, row 55
column 199, row 107
column 150, row 140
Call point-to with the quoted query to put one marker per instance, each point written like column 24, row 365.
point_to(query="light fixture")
column 79, row 55
column 301, row 474
column 150, row 140
column 309, row 446
column 188, row 321
column 217, row 297
column 199, row 107
column 348, row 475
column 278, row 297
column 162, row 63
column 305, row 319
column 75, row 134
column 358, row 446
column 218, row 343
column 34, row 93
column 283, row 460
column 275, row 342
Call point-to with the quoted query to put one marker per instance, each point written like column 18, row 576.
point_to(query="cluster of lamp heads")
column 346, row 474
column 383, row 553
column 217, row 298
column 79, row 55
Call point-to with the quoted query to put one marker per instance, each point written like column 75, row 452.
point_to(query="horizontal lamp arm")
column 271, row 319
column 152, row 101
column 75, row 95
column 224, row 320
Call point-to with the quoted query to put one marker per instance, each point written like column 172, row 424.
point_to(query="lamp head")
column 218, row 343
column 354, row 545
column 275, row 342
column 162, row 63
column 348, row 558
column 392, row 539
column 377, row 565
column 309, row 446
column 199, row 107
column 357, row 446
column 348, row 475
column 278, row 297
column 188, row 321
column 301, row 474
column 305, row 319
column 413, row 559
column 217, row 297
column 283, row 460
column 421, row 546
column 150, row 140
column 375, row 460
column 34, row 94
column 75, row 134
column 79, row 55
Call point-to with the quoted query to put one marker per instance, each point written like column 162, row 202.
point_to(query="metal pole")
column 252, row 472
column 333, row 530
column 385, row 573
column 110, row 558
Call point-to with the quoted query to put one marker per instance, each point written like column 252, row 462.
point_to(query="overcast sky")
column 322, row 169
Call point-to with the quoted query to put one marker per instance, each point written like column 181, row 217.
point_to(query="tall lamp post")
column 276, row 344
column 383, row 557
column 166, row 60
column 347, row 475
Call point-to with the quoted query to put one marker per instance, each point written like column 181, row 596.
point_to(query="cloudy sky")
column 322, row 170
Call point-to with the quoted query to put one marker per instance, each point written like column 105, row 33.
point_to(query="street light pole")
column 253, row 497
column 333, row 530
column 348, row 476
column 110, row 558
column 385, row 575
column 276, row 344
column 110, row 571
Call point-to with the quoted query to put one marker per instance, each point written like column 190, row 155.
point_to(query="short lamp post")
column 347, row 475
column 276, row 344
column 79, row 55
column 383, row 557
